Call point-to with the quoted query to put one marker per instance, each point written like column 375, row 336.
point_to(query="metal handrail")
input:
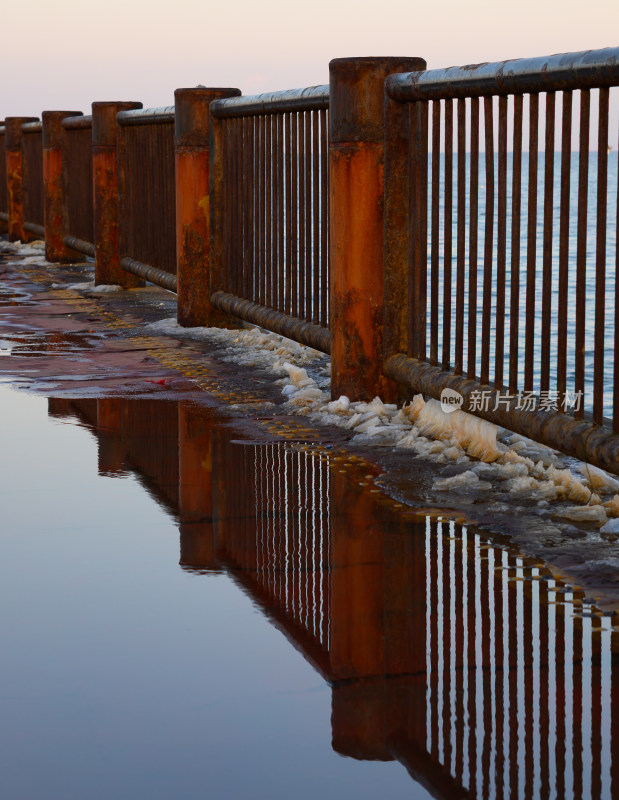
column 587, row 69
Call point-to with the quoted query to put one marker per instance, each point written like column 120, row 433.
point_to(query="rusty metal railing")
column 511, row 300
column 77, row 181
column 4, row 198
column 32, row 176
column 146, row 191
column 269, row 192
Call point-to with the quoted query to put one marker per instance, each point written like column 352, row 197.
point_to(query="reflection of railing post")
column 105, row 191
column 14, row 176
column 192, row 169
column 54, row 200
column 109, row 435
column 356, row 148
column 195, row 450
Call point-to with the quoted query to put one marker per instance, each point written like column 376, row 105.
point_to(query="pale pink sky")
column 63, row 54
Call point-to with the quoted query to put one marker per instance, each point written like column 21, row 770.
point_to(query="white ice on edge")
column 518, row 466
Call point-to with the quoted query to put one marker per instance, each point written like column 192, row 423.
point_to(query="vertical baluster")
column 461, row 238
column 434, row 239
column 268, row 210
column 514, row 303
column 501, row 247
column 473, row 238
column 448, row 234
column 308, row 215
column 302, row 217
column 564, row 242
column 549, row 175
column 280, row 212
column 484, row 374
column 600, row 260
column 288, row 206
column 616, row 327
column 316, row 216
column 419, row 232
column 294, row 212
column 324, row 219
column 529, row 335
column 581, row 247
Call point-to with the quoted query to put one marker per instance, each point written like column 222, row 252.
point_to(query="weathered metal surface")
column 4, row 200
column 356, row 185
column 304, row 332
column 146, row 188
column 32, row 169
column 149, row 273
column 105, row 193
column 583, row 440
column 81, row 122
column 146, row 116
column 586, row 69
column 312, row 98
column 77, row 170
column 543, row 325
column 14, row 176
column 37, row 230
column 192, row 179
column 54, row 201
column 269, row 206
column 86, row 248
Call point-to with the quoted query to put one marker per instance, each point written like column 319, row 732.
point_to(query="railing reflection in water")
column 470, row 664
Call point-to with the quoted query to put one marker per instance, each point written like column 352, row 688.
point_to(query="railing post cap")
column 356, row 95
column 52, row 127
column 191, row 113
column 12, row 128
column 104, row 120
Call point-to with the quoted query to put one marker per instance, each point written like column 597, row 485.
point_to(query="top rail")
column 312, row 98
column 32, row 127
column 584, row 70
column 77, row 123
column 146, row 116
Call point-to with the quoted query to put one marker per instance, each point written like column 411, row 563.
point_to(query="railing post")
column 105, row 194
column 14, row 176
column 54, row 201
column 192, row 171
column 356, row 185
column 4, row 216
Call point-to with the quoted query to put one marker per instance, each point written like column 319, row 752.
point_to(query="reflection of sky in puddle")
column 132, row 677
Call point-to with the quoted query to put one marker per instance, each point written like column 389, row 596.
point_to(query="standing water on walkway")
column 193, row 611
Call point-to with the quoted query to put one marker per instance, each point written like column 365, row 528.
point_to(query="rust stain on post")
column 192, row 176
column 356, row 192
column 105, row 191
column 14, row 176
column 54, row 201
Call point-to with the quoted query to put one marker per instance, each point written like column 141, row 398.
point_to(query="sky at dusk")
column 67, row 53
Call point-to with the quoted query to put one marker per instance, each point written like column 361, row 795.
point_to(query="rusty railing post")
column 14, row 176
column 54, row 201
column 105, row 191
column 192, row 175
column 356, row 185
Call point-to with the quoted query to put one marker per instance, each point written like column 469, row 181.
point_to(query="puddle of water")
column 268, row 614
column 39, row 343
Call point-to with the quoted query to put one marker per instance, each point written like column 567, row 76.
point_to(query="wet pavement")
column 209, row 597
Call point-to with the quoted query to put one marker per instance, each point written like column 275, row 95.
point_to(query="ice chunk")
column 595, row 513
column 343, row 404
column 598, row 479
column 463, row 481
column 612, row 526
